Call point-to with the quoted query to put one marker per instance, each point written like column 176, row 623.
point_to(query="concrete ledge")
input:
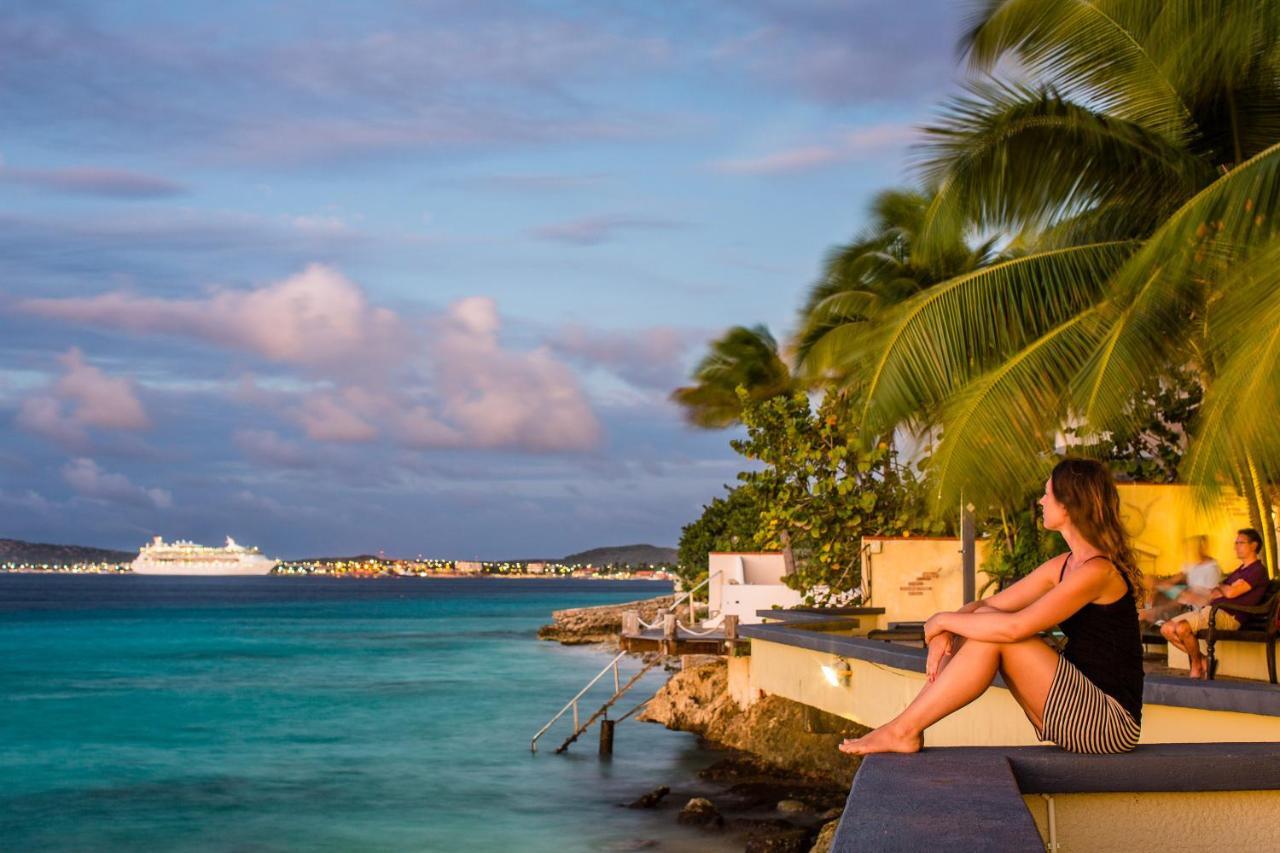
column 970, row 798
column 1171, row 767
column 940, row 799
column 1240, row 697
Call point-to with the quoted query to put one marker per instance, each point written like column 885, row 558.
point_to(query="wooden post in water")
column 731, row 634
column 669, row 635
column 606, row 738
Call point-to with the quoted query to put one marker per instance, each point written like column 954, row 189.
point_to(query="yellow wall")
column 1237, row 660
column 1160, row 822
column 1161, row 519
column 914, row 578
column 876, row 693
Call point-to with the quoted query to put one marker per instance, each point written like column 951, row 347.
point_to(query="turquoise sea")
column 305, row 713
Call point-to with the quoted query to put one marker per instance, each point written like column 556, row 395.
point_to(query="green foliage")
column 1019, row 543
column 1147, row 446
column 726, row 524
column 741, row 357
column 1132, row 165
column 822, row 489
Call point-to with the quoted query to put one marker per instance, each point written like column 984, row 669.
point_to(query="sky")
column 416, row 277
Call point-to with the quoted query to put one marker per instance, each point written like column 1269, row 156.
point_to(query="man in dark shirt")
column 1244, row 587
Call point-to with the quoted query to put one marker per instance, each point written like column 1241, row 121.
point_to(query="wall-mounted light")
column 838, row 674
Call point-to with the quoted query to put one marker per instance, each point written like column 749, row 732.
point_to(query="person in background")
column 1244, row 587
column 1189, row 588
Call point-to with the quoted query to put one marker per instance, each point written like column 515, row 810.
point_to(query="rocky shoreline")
column 779, row 784
column 782, row 783
column 601, row 624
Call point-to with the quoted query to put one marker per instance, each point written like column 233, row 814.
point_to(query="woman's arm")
column 1083, row 585
column 1039, row 581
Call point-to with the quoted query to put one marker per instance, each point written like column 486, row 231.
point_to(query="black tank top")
column 1104, row 641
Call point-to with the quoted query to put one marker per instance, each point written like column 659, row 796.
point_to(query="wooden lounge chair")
column 1259, row 627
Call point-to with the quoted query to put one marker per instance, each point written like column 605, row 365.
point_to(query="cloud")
column 854, row 145
column 84, row 396
column 593, row 230
column 267, row 447
column 649, row 358
column 849, row 51
column 500, row 398
column 90, row 481
column 90, row 181
column 337, row 416
column 317, row 317
column 461, row 388
column 534, row 183
column 396, row 80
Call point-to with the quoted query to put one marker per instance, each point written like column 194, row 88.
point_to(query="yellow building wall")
column 913, row 578
column 1161, row 822
column 876, row 693
column 1161, row 519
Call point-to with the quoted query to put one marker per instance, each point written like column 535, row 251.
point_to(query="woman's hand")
column 939, row 654
column 934, row 626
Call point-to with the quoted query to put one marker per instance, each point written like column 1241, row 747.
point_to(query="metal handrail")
column 573, row 703
column 690, row 592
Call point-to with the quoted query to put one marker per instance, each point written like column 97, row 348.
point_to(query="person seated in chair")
column 1189, row 588
column 1245, row 587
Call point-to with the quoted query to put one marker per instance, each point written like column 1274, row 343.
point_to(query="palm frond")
column 1159, row 289
column 742, row 357
column 1010, row 156
column 997, row 431
column 1110, row 54
column 936, row 342
column 1238, row 420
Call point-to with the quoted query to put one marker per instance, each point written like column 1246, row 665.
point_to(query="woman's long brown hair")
column 1085, row 488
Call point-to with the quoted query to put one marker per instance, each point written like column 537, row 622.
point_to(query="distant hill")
column 17, row 551
column 622, row 554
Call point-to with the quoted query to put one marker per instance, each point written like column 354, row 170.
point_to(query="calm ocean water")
column 283, row 713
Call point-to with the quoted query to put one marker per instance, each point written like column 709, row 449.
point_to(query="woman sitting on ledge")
column 1089, row 698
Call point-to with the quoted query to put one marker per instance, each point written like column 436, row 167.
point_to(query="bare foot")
column 882, row 739
column 1198, row 671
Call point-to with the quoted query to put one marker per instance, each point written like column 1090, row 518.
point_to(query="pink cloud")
column 649, row 358
column 317, row 317
column 90, row 481
column 593, row 230
column 87, row 180
column 854, row 145
column 84, row 396
column 270, row 448
column 500, row 398
column 338, row 416
column 471, row 392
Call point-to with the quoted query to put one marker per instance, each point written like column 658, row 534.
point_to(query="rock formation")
column 601, row 624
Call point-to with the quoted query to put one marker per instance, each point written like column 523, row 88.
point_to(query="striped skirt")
column 1079, row 717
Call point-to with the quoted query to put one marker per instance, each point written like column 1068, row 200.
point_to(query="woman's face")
column 1055, row 514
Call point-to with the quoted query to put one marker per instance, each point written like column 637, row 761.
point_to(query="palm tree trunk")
column 1261, row 513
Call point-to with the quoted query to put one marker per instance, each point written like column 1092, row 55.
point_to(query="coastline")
column 778, row 783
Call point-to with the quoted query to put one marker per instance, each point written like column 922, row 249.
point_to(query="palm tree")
column 863, row 279
column 741, row 357
column 1137, row 164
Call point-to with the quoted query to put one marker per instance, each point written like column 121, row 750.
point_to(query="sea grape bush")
column 821, row 488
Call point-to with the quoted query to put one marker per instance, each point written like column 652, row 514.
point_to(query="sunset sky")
column 335, row 277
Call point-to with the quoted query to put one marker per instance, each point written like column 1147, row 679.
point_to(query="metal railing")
column 689, row 595
column 573, row 703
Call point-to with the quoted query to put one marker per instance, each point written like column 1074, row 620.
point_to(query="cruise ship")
column 187, row 558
